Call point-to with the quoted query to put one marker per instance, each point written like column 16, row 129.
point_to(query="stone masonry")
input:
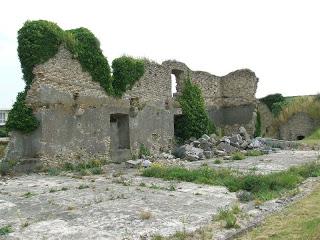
column 78, row 120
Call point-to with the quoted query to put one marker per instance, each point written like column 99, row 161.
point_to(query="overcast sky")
column 278, row 39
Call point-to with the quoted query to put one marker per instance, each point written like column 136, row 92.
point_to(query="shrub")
column 126, row 71
column 271, row 99
column 20, row 117
column 194, row 121
column 254, row 153
column 5, row 230
column 238, row 156
column 257, row 132
column 3, row 132
column 143, row 151
column 229, row 216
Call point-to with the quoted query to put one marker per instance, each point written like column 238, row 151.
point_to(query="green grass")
column 238, row 156
column 92, row 167
column 217, row 161
column 229, row 216
column 2, row 148
column 254, row 153
column 315, row 135
column 28, row 194
column 263, row 187
column 5, row 230
column 299, row 221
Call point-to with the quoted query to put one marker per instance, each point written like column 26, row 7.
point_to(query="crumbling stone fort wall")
column 80, row 112
column 230, row 100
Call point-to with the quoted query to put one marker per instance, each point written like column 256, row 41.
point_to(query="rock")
column 244, row 196
column 235, row 140
column 134, row 163
column 220, row 153
column 205, row 145
column 225, row 139
column 214, row 137
column 227, row 147
column 208, row 154
column 255, row 143
column 167, row 156
column 192, row 139
column 205, row 137
column 227, row 157
column 196, row 143
column 244, row 145
column 244, row 134
column 189, row 152
column 191, row 157
column 146, row 163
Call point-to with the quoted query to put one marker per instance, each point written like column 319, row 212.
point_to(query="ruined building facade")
column 78, row 120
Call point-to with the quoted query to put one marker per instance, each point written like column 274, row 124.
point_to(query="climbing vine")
column 21, row 117
column 38, row 41
column 126, row 71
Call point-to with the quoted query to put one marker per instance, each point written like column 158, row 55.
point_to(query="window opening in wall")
column 173, row 84
column 176, row 76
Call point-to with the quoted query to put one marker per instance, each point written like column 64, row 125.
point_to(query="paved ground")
column 274, row 162
column 114, row 205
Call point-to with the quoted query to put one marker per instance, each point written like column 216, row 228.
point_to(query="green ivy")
column 194, row 121
column 38, row 41
column 257, row 132
column 126, row 71
column 87, row 50
column 271, row 99
column 21, row 117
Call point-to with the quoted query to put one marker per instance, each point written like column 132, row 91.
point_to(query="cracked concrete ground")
column 275, row 162
column 119, row 204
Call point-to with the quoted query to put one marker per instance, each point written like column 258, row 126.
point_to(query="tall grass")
column 263, row 187
column 307, row 104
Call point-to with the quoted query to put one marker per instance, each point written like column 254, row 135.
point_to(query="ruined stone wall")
column 230, row 99
column 78, row 120
column 75, row 114
column 299, row 125
column 266, row 119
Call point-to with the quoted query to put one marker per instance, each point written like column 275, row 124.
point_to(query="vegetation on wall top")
column 38, row 41
column 307, row 104
column 126, row 70
column 194, row 121
column 271, row 99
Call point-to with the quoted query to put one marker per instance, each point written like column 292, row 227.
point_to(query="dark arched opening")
column 300, row 137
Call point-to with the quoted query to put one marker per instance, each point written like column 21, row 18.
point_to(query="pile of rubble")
column 212, row 146
column 207, row 147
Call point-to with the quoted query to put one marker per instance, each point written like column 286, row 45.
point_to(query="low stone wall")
column 298, row 127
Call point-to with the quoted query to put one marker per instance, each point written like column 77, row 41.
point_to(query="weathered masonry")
column 78, row 120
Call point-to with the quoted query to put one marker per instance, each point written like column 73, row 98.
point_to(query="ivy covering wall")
column 38, row 41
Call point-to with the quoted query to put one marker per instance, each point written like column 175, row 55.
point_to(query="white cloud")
column 279, row 40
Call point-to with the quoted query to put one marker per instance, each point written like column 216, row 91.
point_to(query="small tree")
column 194, row 120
